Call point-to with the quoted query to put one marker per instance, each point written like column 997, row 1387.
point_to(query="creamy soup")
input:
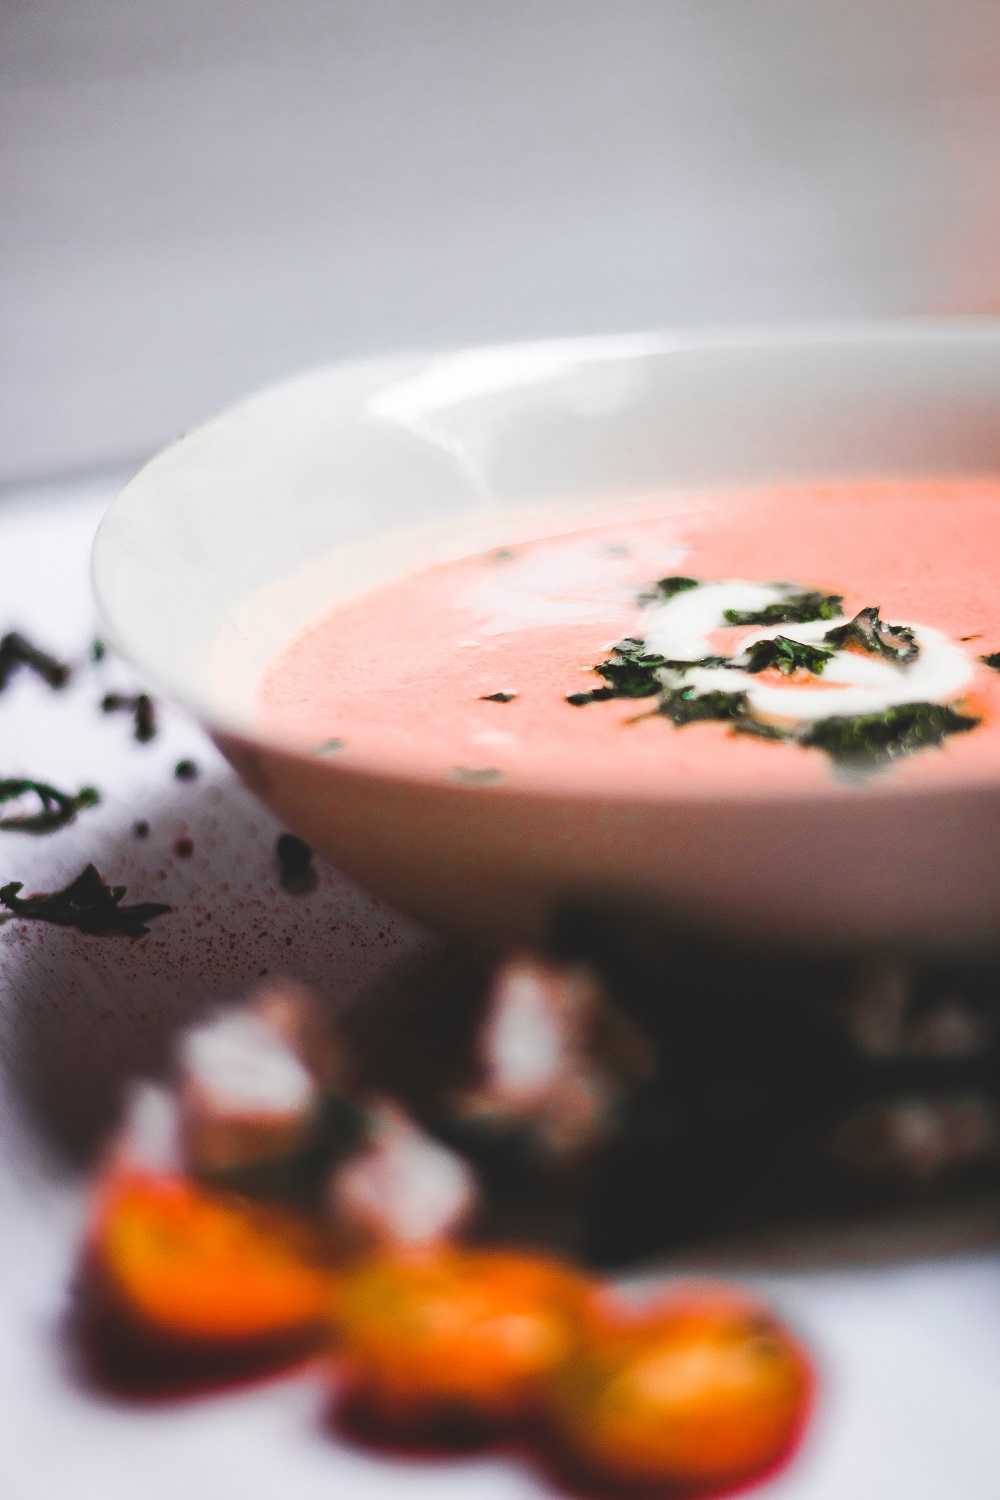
column 769, row 637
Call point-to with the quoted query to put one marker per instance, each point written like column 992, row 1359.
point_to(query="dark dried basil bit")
column 787, row 655
column 186, row 770
column 142, row 708
column 992, row 660
column 595, row 695
column 17, row 651
column 98, row 650
column 145, row 717
column 871, row 741
column 794, row 609
column 666, row 588
column 88, row 903
column 869, row 633
column 686, row 706
column 58, row 809
column 497, row 697
column 295, row 857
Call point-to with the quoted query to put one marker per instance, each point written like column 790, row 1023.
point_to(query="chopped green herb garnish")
column 787, row 655
column 98, row 650
column 632, row 649
column 760, row 729
column 630, row 671
column 665, row 588
column 868, row 633
column 497, row 697
column 57, row 808
column 186, row 770
column 794, row 609
column 870, row 741
column 17, row 651
column 89, row 904
column 631, row 678
column 686, row 706
column 864, row 742
column 634, row 672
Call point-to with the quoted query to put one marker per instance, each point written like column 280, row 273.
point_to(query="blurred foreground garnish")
column 704, row 1389
column 88, row 903
column 193, row 1266
column 452, row 1339
column 263, row 1208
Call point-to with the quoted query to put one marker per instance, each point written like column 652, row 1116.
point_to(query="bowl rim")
column 920, row 330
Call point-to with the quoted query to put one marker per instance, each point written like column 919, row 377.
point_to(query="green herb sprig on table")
column 57, row 810
column 88, row 903
column 793, row 609
column 867, row 632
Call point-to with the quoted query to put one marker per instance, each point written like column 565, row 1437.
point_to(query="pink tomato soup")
column 402, row 677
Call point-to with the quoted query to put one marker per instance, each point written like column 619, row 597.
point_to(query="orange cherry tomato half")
column 703, row 1391
column 449, row 1335
column 190, row 1265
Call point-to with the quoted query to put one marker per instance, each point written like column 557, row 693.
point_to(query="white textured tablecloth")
column 909, row 1355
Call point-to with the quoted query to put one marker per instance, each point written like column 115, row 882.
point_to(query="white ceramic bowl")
column 190, row 563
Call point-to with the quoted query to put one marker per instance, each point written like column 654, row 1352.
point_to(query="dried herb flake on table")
column 88, row 903
column 141, row 707
column 17, row 651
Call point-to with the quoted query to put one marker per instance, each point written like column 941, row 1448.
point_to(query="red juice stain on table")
column 461, row 670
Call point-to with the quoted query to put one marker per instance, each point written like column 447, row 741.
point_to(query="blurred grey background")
column 199, row 195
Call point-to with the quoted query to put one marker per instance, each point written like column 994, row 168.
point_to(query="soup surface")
column 794, row 636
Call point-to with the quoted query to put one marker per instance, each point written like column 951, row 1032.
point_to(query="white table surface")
column 909, row 1353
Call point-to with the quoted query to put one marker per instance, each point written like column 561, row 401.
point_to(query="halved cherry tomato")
column 195, row 1266
column 446, row 1334
column 703, row 1390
